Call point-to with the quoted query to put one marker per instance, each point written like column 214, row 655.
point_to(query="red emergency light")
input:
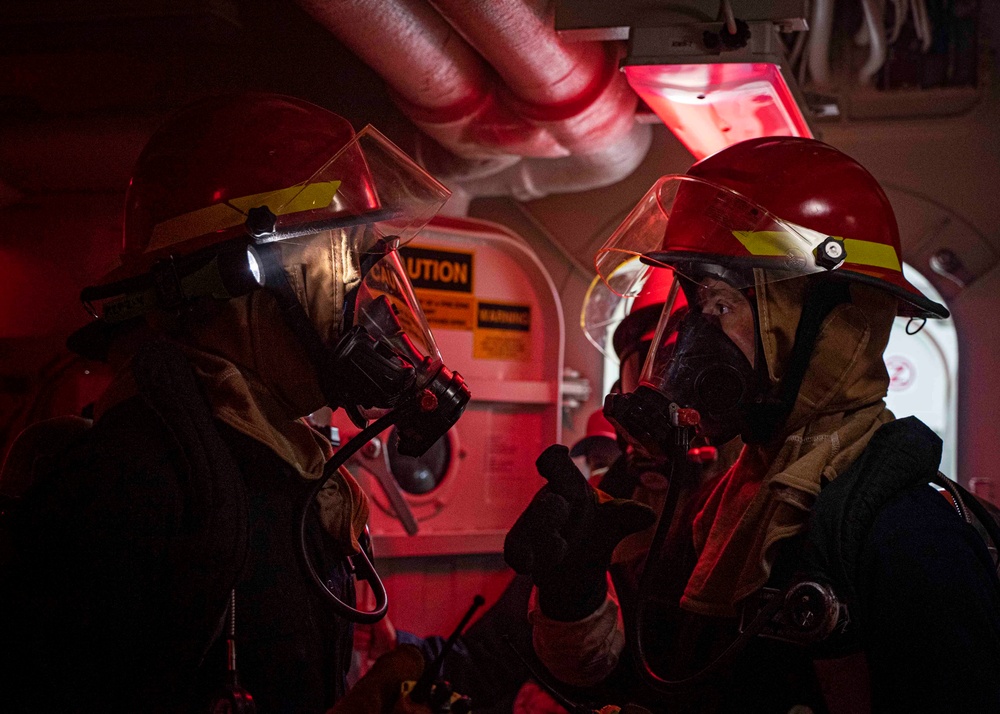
column 712, row 106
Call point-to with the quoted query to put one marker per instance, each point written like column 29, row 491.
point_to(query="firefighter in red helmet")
column 259, row 281
column 816, row 572
column 598, row 447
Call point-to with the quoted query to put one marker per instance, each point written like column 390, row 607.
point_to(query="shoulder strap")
column 981, row 515
column 216, row 523
column 35, row 449
column 165, row 380
column 826, row 557
column 901, row 454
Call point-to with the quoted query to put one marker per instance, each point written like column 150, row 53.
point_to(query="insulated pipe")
column 821, row 28
column 875, row 22
column 554, row 100
column 517, row 38
column 573, row 90
column 531, row 179
column 559, row 99
column 438, row 80
column 412, row 47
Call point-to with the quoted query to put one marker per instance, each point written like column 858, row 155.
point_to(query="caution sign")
column 503, row 331
column 442, row 281
column 433, row 269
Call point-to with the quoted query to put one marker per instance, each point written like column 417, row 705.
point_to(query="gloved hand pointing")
column 566, row 535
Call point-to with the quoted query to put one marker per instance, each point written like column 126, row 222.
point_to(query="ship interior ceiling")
column 522, row 109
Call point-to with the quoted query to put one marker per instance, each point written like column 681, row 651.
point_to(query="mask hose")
column 359, row 563
column 681, row 472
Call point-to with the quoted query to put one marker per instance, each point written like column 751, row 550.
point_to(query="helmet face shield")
column 328, row 271
column 388, row 309
column 369, row 181
column 696, row 226
column 604, row 309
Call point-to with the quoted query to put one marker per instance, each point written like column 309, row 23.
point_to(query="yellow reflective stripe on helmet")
column 220, row 216
column 865, row 252
column 766, row 242
column 197, row 223
column 859, row 252
column 293, row 199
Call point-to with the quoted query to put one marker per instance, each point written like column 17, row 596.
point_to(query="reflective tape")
column 221, row 216
column 859, row 252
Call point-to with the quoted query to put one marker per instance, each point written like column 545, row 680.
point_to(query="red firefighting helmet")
column 639, row 324
column 202, row 173
column 789, row 205
column 598, row 429
column 228, row 175
column 617, row 324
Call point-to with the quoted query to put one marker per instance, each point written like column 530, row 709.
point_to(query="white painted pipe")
column 819, row 43
column 875, row 22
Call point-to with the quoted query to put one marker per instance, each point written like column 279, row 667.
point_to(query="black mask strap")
column 766, row 418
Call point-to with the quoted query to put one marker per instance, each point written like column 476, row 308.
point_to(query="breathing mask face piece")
column 388, row 359
column 700, row 359
column 387, row 308
column 709, row 364
column 707, row 372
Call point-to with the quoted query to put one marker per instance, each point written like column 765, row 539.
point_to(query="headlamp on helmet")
column 250, row 192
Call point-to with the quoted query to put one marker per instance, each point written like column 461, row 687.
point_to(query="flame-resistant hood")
column 766, row 496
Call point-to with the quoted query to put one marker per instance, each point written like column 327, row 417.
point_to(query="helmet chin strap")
column 766, row 418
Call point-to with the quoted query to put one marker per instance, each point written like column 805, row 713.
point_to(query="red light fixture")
column 714, row 105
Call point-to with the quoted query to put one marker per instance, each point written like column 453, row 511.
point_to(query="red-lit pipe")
column 572, row 90
column 441, row 83
column 442, row 73
column 554, row 99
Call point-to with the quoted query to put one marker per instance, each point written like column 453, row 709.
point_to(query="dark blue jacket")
column 125, row 554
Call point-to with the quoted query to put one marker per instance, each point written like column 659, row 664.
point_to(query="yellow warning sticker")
column 447, row 310
column 442, row 281
column 503, row 331
column 435, row 269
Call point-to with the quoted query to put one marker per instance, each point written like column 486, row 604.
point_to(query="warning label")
column 500, row 316
column 432, row 269
column 503, row 331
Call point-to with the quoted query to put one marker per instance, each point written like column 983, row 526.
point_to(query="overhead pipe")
column 537, row 96
column 438, row 80
column 572, row 90
column 875, row 24
column 821, row 28
column 498, row 91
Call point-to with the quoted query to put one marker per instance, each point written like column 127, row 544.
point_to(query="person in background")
column 599, row 446
column 635, row 475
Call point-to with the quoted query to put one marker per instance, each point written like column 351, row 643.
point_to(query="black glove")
column 565, row 537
